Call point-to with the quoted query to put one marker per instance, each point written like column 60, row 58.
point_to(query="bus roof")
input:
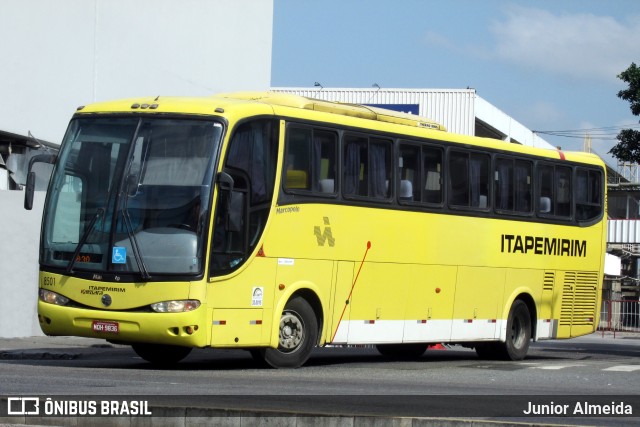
column 259, row 103
column 345, row 109
column 207, row 105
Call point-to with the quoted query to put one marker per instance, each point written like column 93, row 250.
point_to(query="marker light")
column 175, row 306
column 53, row 298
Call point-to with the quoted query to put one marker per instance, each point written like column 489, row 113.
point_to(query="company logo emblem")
column 325, row 235
column 106, row 300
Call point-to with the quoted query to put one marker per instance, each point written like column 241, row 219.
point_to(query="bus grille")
column 579, row 293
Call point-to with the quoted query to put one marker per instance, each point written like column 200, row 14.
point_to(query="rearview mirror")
column 31, row 177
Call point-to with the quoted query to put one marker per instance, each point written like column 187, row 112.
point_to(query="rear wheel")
column 298, row 335
column 161, row 355
column 518, row 332
column 402, row 351
column 518, row 336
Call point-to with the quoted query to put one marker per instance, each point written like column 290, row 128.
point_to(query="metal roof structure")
column 459, row 110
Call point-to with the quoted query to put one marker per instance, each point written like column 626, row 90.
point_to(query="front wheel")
column 298, row 335
column 161, row 355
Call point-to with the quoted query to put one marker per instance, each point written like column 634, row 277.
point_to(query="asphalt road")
column 335, row 380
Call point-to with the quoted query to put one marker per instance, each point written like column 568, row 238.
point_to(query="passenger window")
column 420, row 170
column 468, row 180
column 513, row 185
column 432, row 166
column 554, row 186
column 410, row 173
column 367, row 167
column 563, row 191
column 310, row 160
column 588, row 194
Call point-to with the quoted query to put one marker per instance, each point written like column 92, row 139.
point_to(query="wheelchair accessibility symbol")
column 119, row 255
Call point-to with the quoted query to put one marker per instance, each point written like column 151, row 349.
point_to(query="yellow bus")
column 277, row 223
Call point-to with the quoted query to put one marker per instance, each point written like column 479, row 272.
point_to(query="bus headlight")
column 53, row 298
column 179, row 306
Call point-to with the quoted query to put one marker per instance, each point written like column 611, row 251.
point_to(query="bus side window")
column 310, row 160
column 469, row 179
column 367, row 167
column 523, row 186
column 588, row 194
column 513, row 185
column 355, row 166
column 419, row 168
column 545, row 189
column 554, row 190
column 409, row 173
column 432, row 162
column 563, row 191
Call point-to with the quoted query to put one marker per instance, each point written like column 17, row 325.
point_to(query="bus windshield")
column 131, row 195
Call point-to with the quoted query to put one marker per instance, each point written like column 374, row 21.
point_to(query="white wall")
column 19, row 241
column 57, row 55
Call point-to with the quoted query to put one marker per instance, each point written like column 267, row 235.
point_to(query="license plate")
column 102, row 326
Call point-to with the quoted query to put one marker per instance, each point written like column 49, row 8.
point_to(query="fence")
column 620, row 316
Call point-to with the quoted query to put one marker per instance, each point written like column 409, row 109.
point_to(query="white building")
column 58, row 55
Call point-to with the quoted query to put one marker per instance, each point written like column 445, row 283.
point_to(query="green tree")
column 628, row 147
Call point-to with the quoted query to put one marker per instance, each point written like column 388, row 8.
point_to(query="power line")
column 607, row 133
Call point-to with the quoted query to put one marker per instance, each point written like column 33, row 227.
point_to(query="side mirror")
column 233, row 202
column 28, row 190
column 225, row 182
column 31, row 177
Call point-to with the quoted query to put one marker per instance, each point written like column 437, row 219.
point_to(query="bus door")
column 241, row 302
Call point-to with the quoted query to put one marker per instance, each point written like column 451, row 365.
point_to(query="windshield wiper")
column 129, row 226
column 83, row 239
column 134, row 242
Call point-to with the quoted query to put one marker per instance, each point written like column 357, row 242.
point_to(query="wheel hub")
column 291, row 331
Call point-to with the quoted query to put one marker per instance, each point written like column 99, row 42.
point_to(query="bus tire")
column 160, row 354
column 402, row 351
column 518, row 333
column 298, row 335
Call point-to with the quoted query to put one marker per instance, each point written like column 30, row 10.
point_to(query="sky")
column 550, row 64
